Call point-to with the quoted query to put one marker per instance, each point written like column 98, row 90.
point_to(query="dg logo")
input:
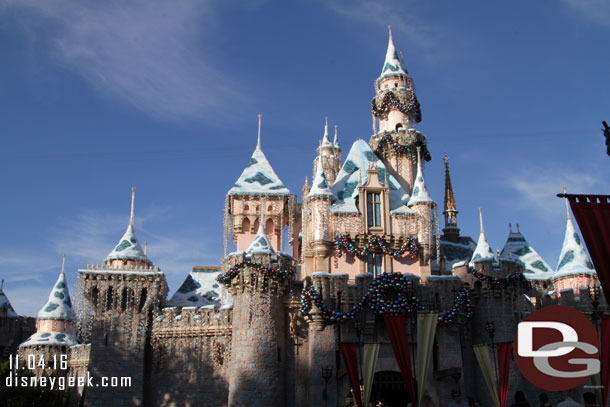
column 557, row 348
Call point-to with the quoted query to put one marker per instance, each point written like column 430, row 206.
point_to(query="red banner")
column 504, row 351
column 397, row 328
column 605, row 350
column 348, row 350
column 592, row 213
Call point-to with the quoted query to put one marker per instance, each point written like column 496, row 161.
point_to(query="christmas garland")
column 401, row 148
column 390, row 100
column 280, row 275
column 462, row 301
column 377, row 298
column 495, row 282
column 409, row 245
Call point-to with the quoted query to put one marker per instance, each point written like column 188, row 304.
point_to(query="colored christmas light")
column 403, row 148
column 495, row 282
column 391, row 101
column 275, row 274
column 408, row 246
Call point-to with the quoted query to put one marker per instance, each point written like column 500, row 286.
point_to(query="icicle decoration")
column 226, row 226
column 83, row 310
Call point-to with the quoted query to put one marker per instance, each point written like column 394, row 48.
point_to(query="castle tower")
column 258, row 342
column 329, row 153
column 397, row 111
column 423, row 204
column 317, row 205
column 123, row 293
column 54, row 324
column 451, row 232
column 259, row 190
column 482, row 252
column 575, row 269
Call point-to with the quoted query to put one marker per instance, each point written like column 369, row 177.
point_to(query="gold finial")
column 450, row 211
column 498, row 252
column 133, row 197
column 306, row 187
column 63, row 263
column 258, row 141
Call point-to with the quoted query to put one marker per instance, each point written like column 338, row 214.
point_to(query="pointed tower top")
column 326, row 139
column 392, row 64
column 449, row 206
column 319, row 185
column 565, row 192
column 258, row 140
column 63, row 264
column 128, row 247
column 420, row 192
column 483, row 251
column 261, row 243
column 58, row 306
column 573, row 259
column 336, row 140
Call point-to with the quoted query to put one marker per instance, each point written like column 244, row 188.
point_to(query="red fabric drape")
column 592, row 213
column 397, row 328
column 348, row 350
column 504, row 352
column 605, row 350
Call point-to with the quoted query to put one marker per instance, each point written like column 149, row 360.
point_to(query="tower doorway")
column 389, row 388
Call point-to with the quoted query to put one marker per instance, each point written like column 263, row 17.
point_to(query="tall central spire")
column 392, row 64
column 451, row 231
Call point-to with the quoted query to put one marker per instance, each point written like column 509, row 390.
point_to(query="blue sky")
column 97, row 97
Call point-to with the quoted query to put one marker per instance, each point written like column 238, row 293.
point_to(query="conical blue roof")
column 261, row 243
column 573, row 259
column 483, row 250
column 536, row 268
column 258, row 178
column 345, row 187
column 392, row 65
column 420, row 193
column 58, row 305
column 319, row 185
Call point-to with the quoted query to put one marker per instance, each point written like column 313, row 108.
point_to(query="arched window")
column 269, row 227
column 246, row 207
column 245, row 226
column 398, row 126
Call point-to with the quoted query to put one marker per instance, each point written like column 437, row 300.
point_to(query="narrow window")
column 369, row 209
column 377, row 210
column 373, row 209
column 374, row 263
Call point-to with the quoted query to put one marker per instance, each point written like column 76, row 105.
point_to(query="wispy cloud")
column 593, row 10
column 403, row 18
column 536, row 188
column 150, row 54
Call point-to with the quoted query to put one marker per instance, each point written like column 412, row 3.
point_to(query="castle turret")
column 574, row 269
column 122, row 294
column 329, row 153
column 483, row 251
column 257, row 279
column 54, row 324
column 397, row 111
column 259, row 190
column 317, row 204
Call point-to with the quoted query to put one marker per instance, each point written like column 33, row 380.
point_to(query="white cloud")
column 536, row 189
column 594, row 10
column 149, row 54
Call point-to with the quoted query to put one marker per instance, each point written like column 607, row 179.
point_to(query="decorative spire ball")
column 258, row 141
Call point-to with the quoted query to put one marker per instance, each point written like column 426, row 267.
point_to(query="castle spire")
column 58, row 306
column 336, row 140
column 573, row 259
column 483, row 251
column 451, row 231
column 326, row 139
column 420, row 192
column 128, row 248
column 258, row 140
column 319, row 184
column 392, row 64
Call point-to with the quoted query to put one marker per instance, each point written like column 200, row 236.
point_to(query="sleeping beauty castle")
column 355, row 292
